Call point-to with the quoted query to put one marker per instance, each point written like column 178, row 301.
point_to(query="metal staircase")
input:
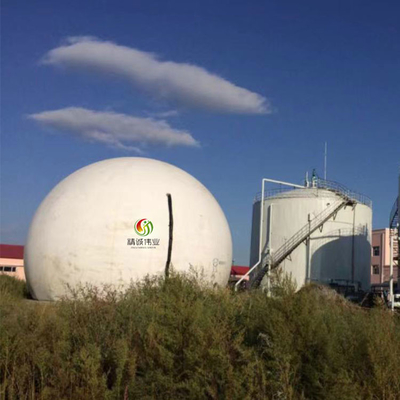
column 394, row 216
column 272, row 261
column 395, row 228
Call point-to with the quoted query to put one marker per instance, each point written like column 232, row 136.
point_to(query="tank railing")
column 274, row 192
column 332, row 186
column 277, row 257
column 394, row 215
column 343, row 191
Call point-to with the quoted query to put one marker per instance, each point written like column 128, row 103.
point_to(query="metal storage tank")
column 320, row 232
column 117, row 221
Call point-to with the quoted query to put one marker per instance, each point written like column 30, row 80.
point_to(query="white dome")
column 108, row 223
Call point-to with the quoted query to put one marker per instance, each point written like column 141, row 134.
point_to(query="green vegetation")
column 175, row 340
column 11, row 288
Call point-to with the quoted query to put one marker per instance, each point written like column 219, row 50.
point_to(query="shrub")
column 12, row 288
column 175, row 339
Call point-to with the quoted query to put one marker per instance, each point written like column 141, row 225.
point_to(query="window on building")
column 7, row 268
column 376, row 251
column 375, row 269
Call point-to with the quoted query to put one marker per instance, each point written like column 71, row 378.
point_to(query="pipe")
column 353, row 264
column 171, row 235
column 391, row 272
column 381, row 257
column 260, row 239
column 282, row 183
column 269, row 245
column 269, row 228
column 308, row 252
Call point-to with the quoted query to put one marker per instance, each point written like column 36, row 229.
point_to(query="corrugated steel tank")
column 340, row 250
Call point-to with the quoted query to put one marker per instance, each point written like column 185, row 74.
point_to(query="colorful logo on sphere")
column 143, row 227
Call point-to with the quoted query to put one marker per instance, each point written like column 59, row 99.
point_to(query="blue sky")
column 229, row 91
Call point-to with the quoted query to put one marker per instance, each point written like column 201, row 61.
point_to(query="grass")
column 175, row 339
column 12, row 288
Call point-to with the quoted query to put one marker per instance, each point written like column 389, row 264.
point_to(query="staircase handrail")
column 304, row 232
column 344, row 191
column 394, row 215
column 320, row 183
column 297, row 239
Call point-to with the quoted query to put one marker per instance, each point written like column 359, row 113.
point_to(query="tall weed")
column 176, row 339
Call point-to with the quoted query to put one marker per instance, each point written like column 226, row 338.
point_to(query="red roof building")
column 237, row 271
column 12, row 260
column 12, row 251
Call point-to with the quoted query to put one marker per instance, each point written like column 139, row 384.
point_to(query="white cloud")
column 113, row 129
column 164, row 114
column 184, row 84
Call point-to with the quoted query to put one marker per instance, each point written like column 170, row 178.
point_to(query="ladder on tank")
column 272, row 261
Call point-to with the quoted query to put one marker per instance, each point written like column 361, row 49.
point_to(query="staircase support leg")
column 308, row 269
